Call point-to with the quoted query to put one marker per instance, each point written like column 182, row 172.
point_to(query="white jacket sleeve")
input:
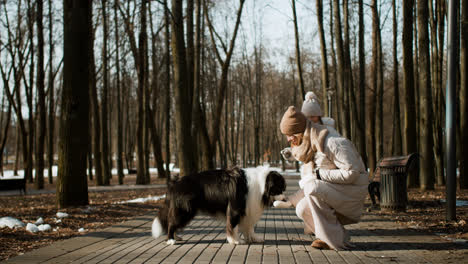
column 349, row 165
column 339, row 176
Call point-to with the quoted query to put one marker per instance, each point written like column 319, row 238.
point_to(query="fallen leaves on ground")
column 102, row 212
column 427, row 213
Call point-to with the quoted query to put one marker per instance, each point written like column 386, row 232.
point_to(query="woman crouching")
column 334, row 186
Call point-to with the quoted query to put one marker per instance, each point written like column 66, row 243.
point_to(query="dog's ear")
column 275, row 184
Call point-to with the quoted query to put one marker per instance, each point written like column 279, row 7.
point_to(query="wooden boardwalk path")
column 204, row 241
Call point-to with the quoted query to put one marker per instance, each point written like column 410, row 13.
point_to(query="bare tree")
column 464, row 96
column 362, row 83
column 72, row 188
column 142, row 75
column 397, row 141
column 298, row 49
column 106, row 173
column 425, row 103
column 94, row 105
column 167, row 63
column 437, row 93
column 342, row 85
column 323, row 52
column 209, row 143
column 119, row 97
column 51, row 91
column 41, row 98
column 408, row 86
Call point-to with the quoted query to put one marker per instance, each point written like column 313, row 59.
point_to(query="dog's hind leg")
column 232, row 221
column 177, row 220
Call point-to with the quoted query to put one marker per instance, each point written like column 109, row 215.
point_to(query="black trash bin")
column 393, row 174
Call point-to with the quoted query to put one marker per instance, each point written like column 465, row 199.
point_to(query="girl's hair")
column 299, row 137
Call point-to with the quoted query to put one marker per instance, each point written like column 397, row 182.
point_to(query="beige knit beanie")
column 311, row 105
column 293, row 122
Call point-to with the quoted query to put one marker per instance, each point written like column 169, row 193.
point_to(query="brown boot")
column 319, row 244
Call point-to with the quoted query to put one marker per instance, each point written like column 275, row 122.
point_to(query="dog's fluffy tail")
column 159, row 226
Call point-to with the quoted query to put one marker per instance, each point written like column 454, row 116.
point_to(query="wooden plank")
column 76, row 248
column 197, row 232
column 197, row 249
column 297, row 244
column 270, row 253
column 158, row 246
column 255, row 251
column 210, row 251
column 285, row 253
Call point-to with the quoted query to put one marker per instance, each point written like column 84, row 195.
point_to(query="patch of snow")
column 10, row 222
column 88, row 210
column 144, row 200
column 81, row 230
column 44, row 228
column 32, row 228
column 62, row 215
column 39, row 221
column 458, row 203
column 8, row 174
column 56, row 229
column 58, row 221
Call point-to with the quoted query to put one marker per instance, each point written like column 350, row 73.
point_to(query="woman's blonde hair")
column 299, row 137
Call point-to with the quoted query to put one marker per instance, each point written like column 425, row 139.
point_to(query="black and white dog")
column 239, row 196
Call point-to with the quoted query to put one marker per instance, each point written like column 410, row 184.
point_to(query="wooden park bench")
column 391, row 174
column 13, row 184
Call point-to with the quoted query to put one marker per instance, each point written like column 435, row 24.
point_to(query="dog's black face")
column 274, row 185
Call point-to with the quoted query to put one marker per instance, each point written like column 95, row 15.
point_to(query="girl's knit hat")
column 311, row 105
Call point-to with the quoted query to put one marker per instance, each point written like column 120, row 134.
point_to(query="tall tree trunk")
column 379, row 92
column 28, row 170
column 440, row 86
column 106, row 174
column 119, row 98
column 182, row 94
column 409, row 144
column 142, row 40
column 146, row 100
column 323, row 52
column 426, row 141
column 349, row 98
column 95, row 106
column 168, row 90
column 196, row 115
column 397, row 141
column 362, row 84
column 72, row 188
column 345, row 129
column 464, row 96
column 5, row 135
column 436, row 90
column 51, row 121
column 335, row 95
column 41, row 98
column 372, row 147
column 298, row 49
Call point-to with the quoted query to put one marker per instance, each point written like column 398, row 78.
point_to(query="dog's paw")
column 233, row 241
column 254, row 239
column 282, row 204
column 171, row 242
